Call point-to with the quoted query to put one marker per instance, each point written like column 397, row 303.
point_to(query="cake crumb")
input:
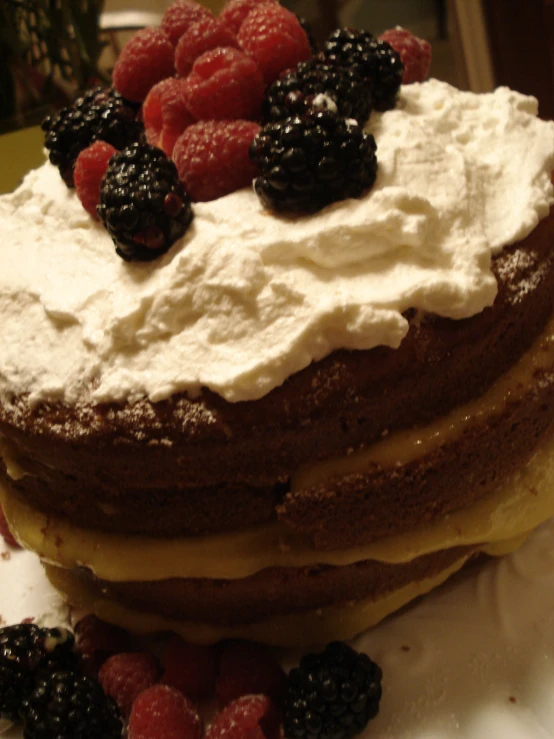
column 512, row 699
column 6, row 556
column 405, row 648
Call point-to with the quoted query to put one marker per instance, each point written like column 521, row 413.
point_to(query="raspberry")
column 224, row 84
column 96, row 640
column 161, row 711
column 212, row 158
column 190, row 668
column 165, row 114
column 235, row 11
column 414, row 52
column 125, row 675
column 146, row 59
column 249, row 717
column 180, row 16
column 204, row 35
column 90, row 167
column 246, row 668
column 5, row 532
column 273, row 36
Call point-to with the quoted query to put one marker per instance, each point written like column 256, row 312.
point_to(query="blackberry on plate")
column 374, row 60
column 294, row 93
column 100, row 114
column 331, row 695
column 143, row 203
column 66, row 705
column 26, row 650
column 311, row 161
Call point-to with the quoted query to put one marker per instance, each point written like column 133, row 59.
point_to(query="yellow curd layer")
column 291, row 630
column 508, row 513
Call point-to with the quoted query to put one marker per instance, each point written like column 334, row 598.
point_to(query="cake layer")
column 296, row 629
column 345, row 505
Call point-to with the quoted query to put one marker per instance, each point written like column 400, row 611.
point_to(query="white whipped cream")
column 247, row 297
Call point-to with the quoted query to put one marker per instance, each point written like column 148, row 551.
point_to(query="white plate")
column 473, row 660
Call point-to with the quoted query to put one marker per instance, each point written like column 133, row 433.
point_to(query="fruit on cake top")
column 370, row 198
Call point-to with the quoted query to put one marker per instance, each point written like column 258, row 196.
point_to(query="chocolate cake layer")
column 195, row 466
column 271, row 592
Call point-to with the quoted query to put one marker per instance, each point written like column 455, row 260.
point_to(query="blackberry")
column 331, row 695
column 143, row 204
column 294, row 93
column 311, row 161
column 66, row 705
column 374, row 60
column 25, row 650
column 99, row 114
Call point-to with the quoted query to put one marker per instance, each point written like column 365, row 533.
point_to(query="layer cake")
column 284, row 429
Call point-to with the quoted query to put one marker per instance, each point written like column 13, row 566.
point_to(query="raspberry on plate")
column 247, row 668
column 125, row 675
column 165, row 114
column 415, row 53
column 180, row 16
column 249, row 717
column 204, row 35
column 146, row 59
column 90, row 167
column 212, row 158
column 163, row 712
column 234, row 12
column 224, row 84
column 273, row 36
column 191, row 668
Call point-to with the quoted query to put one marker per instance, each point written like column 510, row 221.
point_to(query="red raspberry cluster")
column 415, row 53
column 245, row 680
column 197, row 69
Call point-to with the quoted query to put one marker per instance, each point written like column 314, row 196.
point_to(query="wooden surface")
column 19, row 152
column 521, row 38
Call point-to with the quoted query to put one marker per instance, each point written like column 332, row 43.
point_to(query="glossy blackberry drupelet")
column 66, row 705
column 100, row 114
column 311, row 161
column 25, row 650
column 331, row 695
column 294, row 93
column 375, row 61
column 143, row 204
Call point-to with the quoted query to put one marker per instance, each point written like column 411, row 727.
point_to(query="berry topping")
column 98, row 115
column 376, row 61
column 165, row 114
column 66, row 705
column 191, row 668
column 163, row 712
column 311, row 161
column 142, row 203
column 96, row 640
column 246, row 668
column 5, row 532
column 224, row 84
column 415, row 53
column 212, row 158
column 90, row 167
column 273, row 36
column 331, row 694
column 235, row 11
column 180, row 16
column 146, row 59
column 295, row 92
column 25, row 651
column 204, row 35
column 249, row 717
column 123, row 676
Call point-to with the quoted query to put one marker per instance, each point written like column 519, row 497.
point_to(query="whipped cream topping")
column 246, row 298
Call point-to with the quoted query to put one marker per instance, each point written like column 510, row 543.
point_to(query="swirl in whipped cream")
column 247, row 297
